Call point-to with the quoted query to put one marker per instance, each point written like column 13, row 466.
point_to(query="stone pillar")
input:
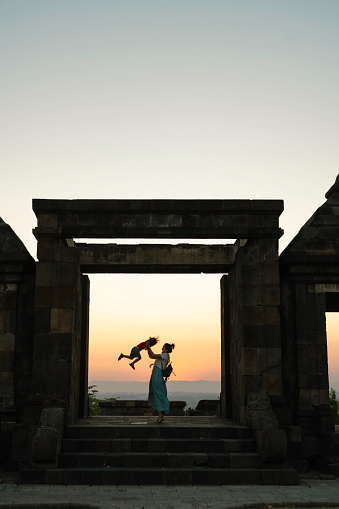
column 57, row 327
column 8, row 314
column 255, row 343
column 311, row 347
column 83, row 392
column 313, row 409
column 226, row 382
column 289, row 345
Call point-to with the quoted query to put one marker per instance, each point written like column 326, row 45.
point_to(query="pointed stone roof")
column 318, row 240
column 12, row 248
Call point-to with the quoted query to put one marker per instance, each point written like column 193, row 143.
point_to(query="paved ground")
column 310, row 493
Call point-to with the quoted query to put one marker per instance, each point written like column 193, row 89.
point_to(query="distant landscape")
column 178, row 390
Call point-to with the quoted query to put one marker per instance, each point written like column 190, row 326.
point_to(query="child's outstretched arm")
column 147, row 345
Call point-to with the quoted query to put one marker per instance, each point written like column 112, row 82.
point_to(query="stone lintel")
column 155, row 269
column 162, row 232
column 46, row 206
column 324, row 288
column 158, row 218
column 155, row 258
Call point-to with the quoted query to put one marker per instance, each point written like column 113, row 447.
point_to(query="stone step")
column 186, row 452
column 156, row 431
column 162, row 459
column 158, row 476
column 182, row 445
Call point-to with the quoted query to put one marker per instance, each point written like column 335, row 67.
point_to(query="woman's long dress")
column 157, row 395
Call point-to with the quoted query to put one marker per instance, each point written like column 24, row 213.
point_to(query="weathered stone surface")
column 273, row 310
column 263, row 419
column 7, row 361
column 52, row 417
column 270, row 360
column 155, row 258
column 139, row 407
column 158, row 218
column 7, row 343
column 250, row 356
column 62, row 320
column 309, row 446
column 49, row 220
column 252, row 383
column 272, row 315
column 269, row 295
column 250, row 295
column 249, row 273
column 258, row 401
column 7, row 389
column 268, row 274
column 295, row 434
column 272, row 384
column 271, row 441
column 42, row 320
column 274, row 448
column 45, row 445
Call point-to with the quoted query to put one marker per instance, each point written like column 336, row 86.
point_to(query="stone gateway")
column 274, row 371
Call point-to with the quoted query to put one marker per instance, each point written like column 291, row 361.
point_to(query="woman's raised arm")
column 153, row 355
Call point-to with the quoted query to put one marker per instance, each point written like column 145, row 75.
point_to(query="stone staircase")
column 187, row 450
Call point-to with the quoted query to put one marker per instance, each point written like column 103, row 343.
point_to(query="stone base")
column 137, row 407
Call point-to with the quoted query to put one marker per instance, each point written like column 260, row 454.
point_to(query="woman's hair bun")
column 169, row 347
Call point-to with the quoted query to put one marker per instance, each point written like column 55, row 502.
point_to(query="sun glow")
column 127, row 309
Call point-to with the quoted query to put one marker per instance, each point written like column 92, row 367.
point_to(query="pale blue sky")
column 189, row 98
column 168, row 99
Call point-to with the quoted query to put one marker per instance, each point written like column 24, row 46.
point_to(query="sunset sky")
column 167, row 99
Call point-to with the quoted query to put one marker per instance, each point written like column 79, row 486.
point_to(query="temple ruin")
column 274, row 371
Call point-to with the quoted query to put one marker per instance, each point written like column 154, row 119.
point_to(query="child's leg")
column 134, row 353
column 136, row 360
column 121, row 356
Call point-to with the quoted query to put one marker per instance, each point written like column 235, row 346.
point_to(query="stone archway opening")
column 127, row 308
column 332, row 327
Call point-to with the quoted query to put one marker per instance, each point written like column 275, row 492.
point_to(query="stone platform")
column 136, row 407
column 193, row 450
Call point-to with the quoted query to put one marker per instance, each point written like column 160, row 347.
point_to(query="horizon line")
column 138, row 381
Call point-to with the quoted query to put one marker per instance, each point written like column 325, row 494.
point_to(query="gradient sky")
column 158, row 99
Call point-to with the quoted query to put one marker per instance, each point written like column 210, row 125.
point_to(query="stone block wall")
column 254, row 348
column 17, row 286
column 309, row 269
column 57, row 326
column 16, row 340
column 17, row 273
column 311, row 347
column 305, row 366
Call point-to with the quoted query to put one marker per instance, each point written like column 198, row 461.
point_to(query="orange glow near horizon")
column 332, row 328
column 182, row 309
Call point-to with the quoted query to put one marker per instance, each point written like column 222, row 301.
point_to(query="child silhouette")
column 135, row 352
